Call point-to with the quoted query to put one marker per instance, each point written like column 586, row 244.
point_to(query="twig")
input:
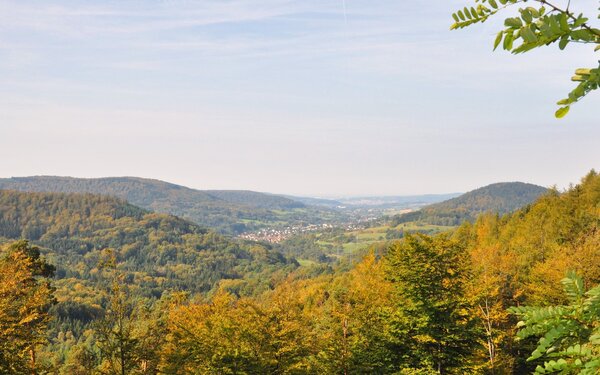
column 570, row 15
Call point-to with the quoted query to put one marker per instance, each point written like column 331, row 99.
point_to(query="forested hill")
column 229, row 211
column 502, row 198
column 157, row 252
column 365, row 318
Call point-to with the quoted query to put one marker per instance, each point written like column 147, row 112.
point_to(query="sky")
column 312, row 97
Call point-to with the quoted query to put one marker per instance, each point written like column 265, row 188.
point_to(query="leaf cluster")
column 538, row 26
column 570, row 334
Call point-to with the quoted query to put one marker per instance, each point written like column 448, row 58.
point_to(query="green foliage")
column 431, row 318
column 128, row 340
column 309, row 246
column 537, row 26
column 156, row 252
column 116, row 341
column 569, row 335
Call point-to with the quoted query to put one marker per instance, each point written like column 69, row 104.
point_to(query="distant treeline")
column 227, row 211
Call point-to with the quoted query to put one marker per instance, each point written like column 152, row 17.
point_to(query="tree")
column 130, row 335
column 349, row 314
column 489, row 290
column 569, row 335
column 431, row 316
column 546, row 23
column 25, row 297
column 224, row 336
column 116, row 339
column 81, row 360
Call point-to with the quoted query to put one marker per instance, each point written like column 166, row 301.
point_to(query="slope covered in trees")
column 498, row 198
column 228, row 211
column 158, row 252
column 423, row 305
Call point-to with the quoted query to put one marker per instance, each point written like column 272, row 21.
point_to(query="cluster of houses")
column 276, row 235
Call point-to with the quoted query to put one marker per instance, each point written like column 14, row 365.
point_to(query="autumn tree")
column 519, row 259
column 351, row 319
column 25, row 297
column 219, row 337
column 540, row 23
column 288, row 331
column 490, row 291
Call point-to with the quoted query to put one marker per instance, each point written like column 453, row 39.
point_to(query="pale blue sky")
column 285, row 96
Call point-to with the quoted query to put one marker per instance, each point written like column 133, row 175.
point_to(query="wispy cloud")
column 272, row 79
column 80, row 19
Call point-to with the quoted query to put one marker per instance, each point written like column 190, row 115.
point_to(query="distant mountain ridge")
column 143, row 191
column 375, row 201
column 501, row 198
column 395, row 200
column 224, row 210
column 320, row 202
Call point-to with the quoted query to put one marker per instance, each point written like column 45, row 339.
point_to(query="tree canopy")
column 424, row 304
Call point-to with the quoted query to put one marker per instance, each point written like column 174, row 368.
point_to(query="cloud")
column 80, row 19
column 272, row 79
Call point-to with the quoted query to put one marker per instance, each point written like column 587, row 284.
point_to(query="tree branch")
column 570, row 15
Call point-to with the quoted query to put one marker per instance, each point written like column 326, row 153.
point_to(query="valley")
column 246, row 214
column 106, row 252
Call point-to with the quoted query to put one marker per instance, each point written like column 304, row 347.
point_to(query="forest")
column 94, row 285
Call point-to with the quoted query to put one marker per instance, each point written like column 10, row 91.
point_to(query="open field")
column 336, row 243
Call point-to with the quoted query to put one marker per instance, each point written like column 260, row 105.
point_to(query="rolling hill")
column 157, row 252
column 501, row 198
column 228, row 211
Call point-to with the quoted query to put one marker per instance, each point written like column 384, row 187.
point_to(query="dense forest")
column 227, row 211
column 507, row 294
column 501, row 198
column 156, row 254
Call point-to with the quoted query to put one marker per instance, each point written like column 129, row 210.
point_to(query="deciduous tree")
column 25, row 297
column 432, row 314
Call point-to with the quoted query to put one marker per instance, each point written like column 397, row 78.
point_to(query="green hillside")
column 228, row 211
column 501, row 198
column 158, row 252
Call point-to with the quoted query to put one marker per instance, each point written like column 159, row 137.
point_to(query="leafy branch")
column 569, row 335
column 536, row 27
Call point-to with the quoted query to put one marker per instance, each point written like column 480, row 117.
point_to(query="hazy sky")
column 285, row 96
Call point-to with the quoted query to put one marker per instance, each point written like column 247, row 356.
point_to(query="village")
column 277, row 235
